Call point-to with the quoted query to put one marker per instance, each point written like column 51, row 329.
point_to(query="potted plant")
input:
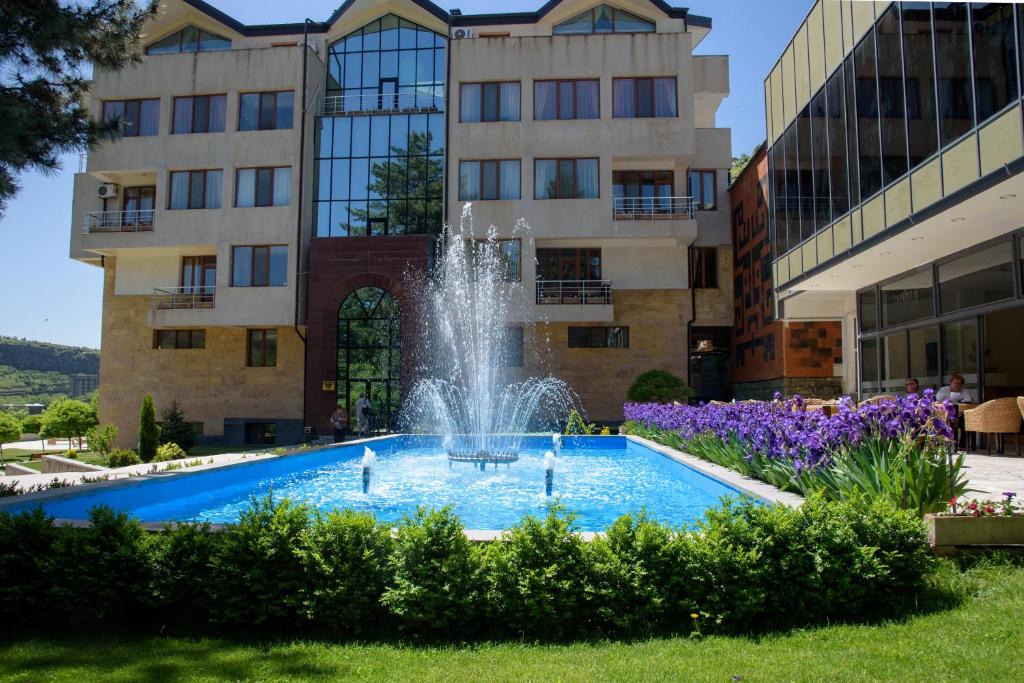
column 985, row 523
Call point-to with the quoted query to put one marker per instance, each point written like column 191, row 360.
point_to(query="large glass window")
column 199, row 114
column 924, row 357
column 566, row 179
column 491, row 179
column 136, row 117
column 642, row 191
column 920, row 79
column 909, row 298
column 259, row 266
column 196, row 189
column 805, row 168
column 569, row 264
column 604, row 19
column 853, row 169
column 952, row 58
column 821, row 210
column 266, row 110
column 995, row 56
column 838, row 190
column 867, row 305
column 891, row 102
column 781, row 223
column 489, row 102
column 262, row 349
column 702, row 188
column 507, row 251
column 369, row 352
column 598, row 337
column 867, row 117
column 189, row 39
column 263, row 186
column 792, row 203
column 571, row 99
column 960, row 351
column 179, row 339
column 643, row 97
column 978, row 278
column 869, row 383
column 895, row 363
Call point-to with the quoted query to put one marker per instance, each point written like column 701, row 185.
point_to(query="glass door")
column 137, row 204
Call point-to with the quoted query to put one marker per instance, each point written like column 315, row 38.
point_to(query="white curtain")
column 545, row 97
column 664, row 97
column 179, row 190
column 282, row 186
column 469, row 181
column 587, row 183
column 214, row 189
column 509, row 102
column 245, row 187
column 623, row 98
column 544, row 178
column 587, row 106
column 470, row 102
column 510, row 171
column 218, row 110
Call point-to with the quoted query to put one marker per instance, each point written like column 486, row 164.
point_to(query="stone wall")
column 209, row 384
column 55, row 463
column 808, row 387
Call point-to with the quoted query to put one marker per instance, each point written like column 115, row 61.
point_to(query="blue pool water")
column 599, row 478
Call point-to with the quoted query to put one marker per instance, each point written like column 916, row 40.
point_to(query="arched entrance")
column 369, row 354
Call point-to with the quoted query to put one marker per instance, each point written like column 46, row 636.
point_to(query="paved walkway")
column 989, row 475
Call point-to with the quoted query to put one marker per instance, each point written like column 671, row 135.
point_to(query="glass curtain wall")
column 920, row 79
column 380, row 170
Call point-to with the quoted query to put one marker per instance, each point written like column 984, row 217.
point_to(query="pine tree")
column 176, row 429
column 149, row 431
column 45, row 46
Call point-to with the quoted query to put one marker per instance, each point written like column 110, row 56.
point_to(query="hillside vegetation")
column 32, row 371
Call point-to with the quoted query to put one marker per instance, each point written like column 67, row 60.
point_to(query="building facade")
column 895, row 152
column 792, row 357
column 277, row 186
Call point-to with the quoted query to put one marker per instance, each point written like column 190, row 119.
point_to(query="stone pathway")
column 989, row 475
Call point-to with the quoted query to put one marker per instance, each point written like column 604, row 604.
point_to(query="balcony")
column 97, row 222
column 653, row 208
column 183, row 298
column 583, row 292
column 381, row 103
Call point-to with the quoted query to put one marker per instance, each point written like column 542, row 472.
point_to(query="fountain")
column 556, row 443
column 369, row 462
column 469, row 394
column 549, row 472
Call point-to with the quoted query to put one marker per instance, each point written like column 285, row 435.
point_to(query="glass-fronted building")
column 894, row 150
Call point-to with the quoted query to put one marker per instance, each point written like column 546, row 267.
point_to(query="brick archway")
column 338, row 267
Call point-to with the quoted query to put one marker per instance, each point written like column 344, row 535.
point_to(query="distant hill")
column 32, row 371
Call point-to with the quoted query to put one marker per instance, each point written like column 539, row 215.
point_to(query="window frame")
column 518, row 275
column 265, row 334
column 575, row 177
column 580, row 260
column 703, row 270
column 593, row 22
column 259, row 110
column 192, row 122
column 137, row 101
column 654, row 96
column 256, row 183
column 181, row 41
column 480, row 174
column 191, row 172
column 265, row 248
column 558, row 100
column 196, row 339
column 497, row 107
column 608, row 331
column 699, row 205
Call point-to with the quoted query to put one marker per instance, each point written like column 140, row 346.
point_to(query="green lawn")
column 22, row 457
column 983, row 640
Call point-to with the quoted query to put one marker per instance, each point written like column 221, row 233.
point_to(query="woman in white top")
column 955, row 391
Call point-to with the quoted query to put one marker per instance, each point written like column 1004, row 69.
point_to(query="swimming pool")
column 598, row 478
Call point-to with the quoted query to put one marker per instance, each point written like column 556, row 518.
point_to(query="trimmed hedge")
column 285, row 569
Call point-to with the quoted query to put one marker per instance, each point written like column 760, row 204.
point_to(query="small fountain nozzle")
column 549, row 472
column 369, row 461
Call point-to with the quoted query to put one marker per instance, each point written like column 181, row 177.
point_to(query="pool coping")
column 123, row 477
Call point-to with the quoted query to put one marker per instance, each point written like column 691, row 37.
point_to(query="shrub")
column 538, row 578
column 180, row 594
column 71, row 453
column 123, row 457
column 433, row 589
column 27, row 564
column 176, row 429
column 169, row 451
column 101, row 439
column 345, row 559
column 10, row 429
column 32, row 424
column 149, row 432
column 576, row 425
column 658, row 386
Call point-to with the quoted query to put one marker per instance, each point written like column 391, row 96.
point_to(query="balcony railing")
column 140, row 220
column 653, row 208
column 355, row 105
column 183, row 298
column 574, row 291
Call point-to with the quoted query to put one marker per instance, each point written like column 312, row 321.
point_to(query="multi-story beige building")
column 255, row 248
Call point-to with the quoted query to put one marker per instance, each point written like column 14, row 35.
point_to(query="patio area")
column 989, row 475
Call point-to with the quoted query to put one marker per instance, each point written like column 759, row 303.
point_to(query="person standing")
column 363, row 409
column 339, row 421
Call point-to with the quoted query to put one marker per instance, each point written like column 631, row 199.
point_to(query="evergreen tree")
column 149, row 431
column 176, row 429
column 45, row 49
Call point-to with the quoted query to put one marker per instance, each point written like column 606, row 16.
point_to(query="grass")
column 981, row 640
column 22, row 456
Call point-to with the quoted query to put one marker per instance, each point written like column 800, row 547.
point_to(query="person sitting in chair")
column 913, row 386
column 955, row 392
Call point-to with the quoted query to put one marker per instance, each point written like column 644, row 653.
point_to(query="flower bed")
column 895, row 449
column 973, row 524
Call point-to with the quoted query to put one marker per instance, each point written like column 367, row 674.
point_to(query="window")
column 259, row 266
column 488, row 180
column 263, row 186
column 565, row 179
column 266, row 110
column 196, row 189
column 262, row 433
column 179, row 339
column 512, row 347
column 702, row 189
column 569, row 264
column 994, row 57
column 704, row 268
column 981, row 277
column 642, row 191
column 867, row 305
column 189, row 39
column 138, row 202
column 598, row 337
column 261, row 349
column 489, row 102
column 199, row 114
column 137, row 117
column 643, row 97
column 199, row 276
column 919, row 69
column 576, row 99
column 508, row 252
column 952, row 61
column 909, row 298
column 604, row 19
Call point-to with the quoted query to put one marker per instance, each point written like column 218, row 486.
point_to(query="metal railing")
column 140, row 220
column 183, row 298
column 574, row 291
column 653, row 208
column 352, row 105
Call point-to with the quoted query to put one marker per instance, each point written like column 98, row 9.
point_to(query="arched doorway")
column 369, row 353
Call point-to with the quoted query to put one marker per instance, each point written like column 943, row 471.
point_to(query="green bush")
column 101, row 439
column 433, row 590
column 123, row 457
column 176, row 429
column 70, row 453
column 32, row 424
column 576, row 425
column 658, row 386
column 10, row 429
column 27, row 563
column 149, row 431
column 169, row 451
column 180, row 593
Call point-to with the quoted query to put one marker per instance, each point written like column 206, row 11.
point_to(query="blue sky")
column 51, row 298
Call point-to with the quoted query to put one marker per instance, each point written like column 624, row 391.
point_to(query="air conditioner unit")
column 106, row 191
column 460, row 33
